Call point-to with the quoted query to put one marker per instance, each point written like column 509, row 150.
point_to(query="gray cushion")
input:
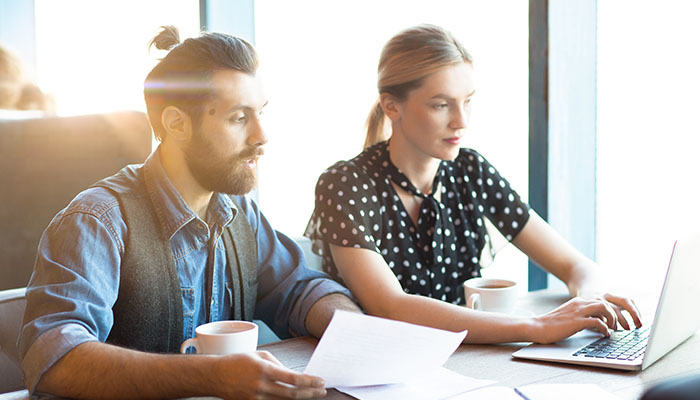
column 44, row 163
column 12, row 304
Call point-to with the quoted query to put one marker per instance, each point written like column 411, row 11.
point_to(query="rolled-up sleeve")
column 287, row 288
column 72, row 290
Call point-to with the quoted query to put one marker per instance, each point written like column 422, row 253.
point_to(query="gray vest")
column 148, row 313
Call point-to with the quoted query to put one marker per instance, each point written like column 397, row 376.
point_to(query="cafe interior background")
column 319, row 60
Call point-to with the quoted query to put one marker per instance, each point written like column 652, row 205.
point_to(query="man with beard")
column 134, row 263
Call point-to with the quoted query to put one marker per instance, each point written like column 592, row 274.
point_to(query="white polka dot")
column 342, row 225
column 330, row 186
column 340, row 193
column 354, row 188
column 344, row 179
column 396, row 249
column 438, row 286
column 351, row 202
column 345, row 242
column 506, row 210
column 519, row 211
column 515, row 224
column 351, row 217
column 419, row 265
column 413, row 277
column 354, row 231
column 422, row 282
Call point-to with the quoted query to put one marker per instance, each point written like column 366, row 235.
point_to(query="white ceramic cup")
column 223, row 337
column 489, row 294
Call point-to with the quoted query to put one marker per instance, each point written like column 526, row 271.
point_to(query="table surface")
column 495, row 362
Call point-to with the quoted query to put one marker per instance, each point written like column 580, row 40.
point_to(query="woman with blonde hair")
column 404, row 223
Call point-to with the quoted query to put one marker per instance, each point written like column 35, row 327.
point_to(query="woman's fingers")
column 596, row 324
column 627, row 305
column 603, row 310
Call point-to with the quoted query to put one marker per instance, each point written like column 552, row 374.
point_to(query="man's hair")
column 183, row 77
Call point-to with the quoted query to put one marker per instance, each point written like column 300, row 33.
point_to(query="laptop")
column 675, row 320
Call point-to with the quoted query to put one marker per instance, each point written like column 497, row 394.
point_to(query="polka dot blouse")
column 357, row 206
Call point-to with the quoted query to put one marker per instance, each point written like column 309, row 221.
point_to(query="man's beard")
column 220, row 173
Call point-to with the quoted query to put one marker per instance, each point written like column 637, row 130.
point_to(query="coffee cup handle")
column 191, row 342
column 474, row 301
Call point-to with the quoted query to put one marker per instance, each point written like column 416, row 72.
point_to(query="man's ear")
column 390, row 106
column 177, row 124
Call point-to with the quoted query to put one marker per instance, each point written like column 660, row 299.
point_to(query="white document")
column 489, row 393
column 566, row 391
column 539, row 392
column 440, row 383
column 361, row 350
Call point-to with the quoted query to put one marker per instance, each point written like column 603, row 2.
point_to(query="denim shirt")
column 76, row 276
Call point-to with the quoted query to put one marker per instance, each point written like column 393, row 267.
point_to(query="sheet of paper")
column 440, row 383
column 361, row 350
column 489, row 393
column 565, row 391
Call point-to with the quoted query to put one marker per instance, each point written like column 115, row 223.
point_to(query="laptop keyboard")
column 621, row 345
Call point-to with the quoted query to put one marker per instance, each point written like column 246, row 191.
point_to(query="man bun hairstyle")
column 183, row 77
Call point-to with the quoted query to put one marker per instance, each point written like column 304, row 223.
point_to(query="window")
column 319, row 62
column 92, row 56
column 648, row 134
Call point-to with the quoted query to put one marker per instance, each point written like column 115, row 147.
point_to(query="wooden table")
column 495, row 362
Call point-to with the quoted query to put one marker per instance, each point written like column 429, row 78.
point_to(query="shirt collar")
column 393, row 173
column 172, row 210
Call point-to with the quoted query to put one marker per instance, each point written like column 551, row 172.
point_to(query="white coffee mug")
column 223, row 337
column 489, row 294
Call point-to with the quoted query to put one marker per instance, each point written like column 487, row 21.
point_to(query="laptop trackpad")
column 563, row 349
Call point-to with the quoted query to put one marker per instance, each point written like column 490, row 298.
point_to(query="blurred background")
column 319, row 61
